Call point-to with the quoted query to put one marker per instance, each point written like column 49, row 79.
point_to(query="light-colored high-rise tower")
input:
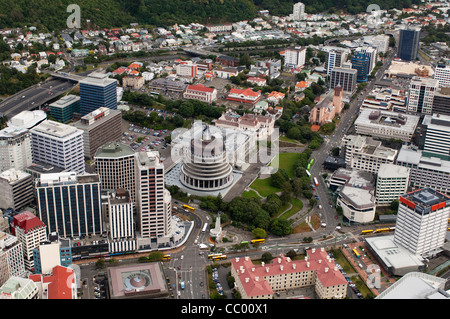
column 422, row 221
column 421, row 94
column 15, row 148
column 298, row 11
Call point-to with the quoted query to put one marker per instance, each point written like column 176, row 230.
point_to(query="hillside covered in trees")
column 116, row 13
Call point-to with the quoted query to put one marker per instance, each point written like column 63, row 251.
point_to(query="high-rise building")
column 392, row 182
column 15, row 148
column 58, row 144
column 30, row 231
column 116, row 166
column 442, row 74
column 361, row 63
column 63, row 109
column 120, row 210
column 335, row 58
column 99, row 127
column 97, row 90
column 298, row 11
column 422, row 221
column 425, row 171
column 436, row 130
column 153, row 200
column 70, row 204
column 441, row 101
column 11, row 257
column 372, row 53
column 421, row 95
column 408, row 46
column 17, row 189
column 344, row 77
column 295, row 57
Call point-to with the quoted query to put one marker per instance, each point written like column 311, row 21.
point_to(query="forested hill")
column 116, row 13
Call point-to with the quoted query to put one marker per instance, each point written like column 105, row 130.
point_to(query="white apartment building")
column 385, row 124
column 298, row 11
column 153, row 200
column 15, row 148
column 30, row 231
column 365, row 153
column 295, row 57
column 422, row 221
column 58, row 144
column 120, row 210
column 187, row 69
column 11, row 257
column 442, row 74
column 425, row 171
column 421, row 94
column 335, row 58
column 392, row 182
column 17, row 189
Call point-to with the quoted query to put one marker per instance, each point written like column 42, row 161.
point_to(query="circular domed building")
column 205, row 164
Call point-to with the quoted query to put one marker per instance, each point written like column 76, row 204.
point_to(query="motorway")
column 34, row 96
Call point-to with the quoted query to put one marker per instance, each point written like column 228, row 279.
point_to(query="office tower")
column 153, row 200
column 442, row 74
column 11, row 257
column 298, row 11
column 372, row 53
column 344, row 77
column 70, row 204
column 392, row 182
column 97, row 90
column 361, row 63
column 58, row 144
column 120, row 210
column 52, row 252
column 295, row 57
column 422, row 221
column 436, row 131
column 380, row 42
column 441, row 101
column 335, row 58
column 63, row 109
column 17, row 189
column 116, row 166
column 99, row 127
column 15, row 148
column 30, row 231
column 421, row 94
column 408, row 46
column 425, row 171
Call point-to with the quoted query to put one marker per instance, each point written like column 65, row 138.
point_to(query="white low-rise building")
column 392, row 182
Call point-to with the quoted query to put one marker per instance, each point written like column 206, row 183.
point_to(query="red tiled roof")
column 246, row 92
column 27, row 221
column 200, row 87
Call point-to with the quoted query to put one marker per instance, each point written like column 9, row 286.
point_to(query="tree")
column 266, row 257
column 259, row 233
column 280, row 227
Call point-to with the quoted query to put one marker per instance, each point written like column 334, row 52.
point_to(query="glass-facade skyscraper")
column 361, row 62
column 97, row 90
column 408, row 46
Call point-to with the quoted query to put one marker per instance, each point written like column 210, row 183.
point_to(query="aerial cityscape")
column 228, row 150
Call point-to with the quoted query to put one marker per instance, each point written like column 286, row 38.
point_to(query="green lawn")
column 263, row 187
column 297, row 204
column 289, row 140
column 286, row 161
column 250, row 194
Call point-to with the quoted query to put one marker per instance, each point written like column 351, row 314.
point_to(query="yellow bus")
column 189, row 208
column 166, row 258
column 220, row 257
column 382, row 230
column 211, row 256
column 367, row 231
column 356, row 253
column 258, row 241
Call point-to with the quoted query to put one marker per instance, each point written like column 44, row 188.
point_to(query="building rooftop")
column 114, row 150
column 12, row 132
column 382, row 119
column 56, row 129
column 412, row 155
column 27, row 221
column 392, row 170
column 27, row 119
column 13, row 175
column 425, row 200
column 65, row 101
column 360, row 198
column 98, row 79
